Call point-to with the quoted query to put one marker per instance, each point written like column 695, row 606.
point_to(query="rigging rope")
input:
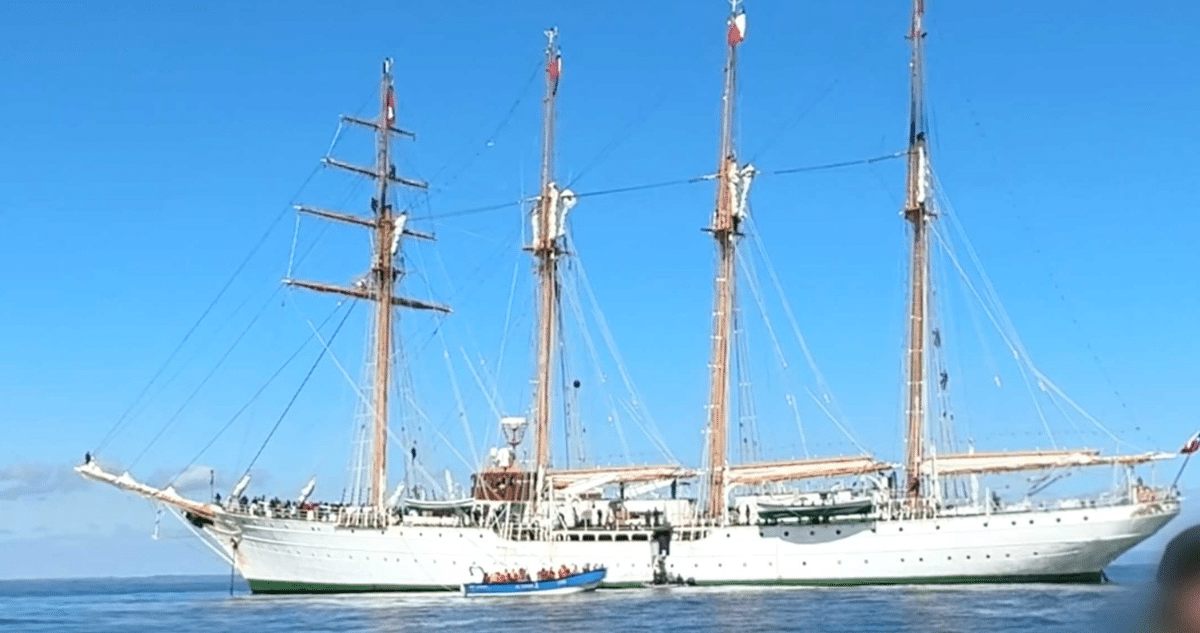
column 538, row 67
column 296, row 395
column 254, row 397
column 1004, row 323
column 220, row 361
column 662, row 184
column 822, row 384
column 849, row 163
column 639, row 117
column 752, row 283
column 124, row 418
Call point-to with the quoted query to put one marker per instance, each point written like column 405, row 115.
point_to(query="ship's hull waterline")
column 1075, row 545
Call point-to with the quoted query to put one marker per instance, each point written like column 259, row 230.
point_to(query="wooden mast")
column 388, row 228
column 724, row 227
column 385, row 280
column 917, row 213
column 546, row 248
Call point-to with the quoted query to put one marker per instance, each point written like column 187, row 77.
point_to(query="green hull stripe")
column 282, row 586
column 1087, row 577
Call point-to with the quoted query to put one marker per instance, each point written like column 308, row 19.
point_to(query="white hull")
column 277, row 555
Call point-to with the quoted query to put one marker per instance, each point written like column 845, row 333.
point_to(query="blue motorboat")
column 575, row 583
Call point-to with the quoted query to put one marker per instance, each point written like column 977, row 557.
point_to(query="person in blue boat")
column 1177, row 609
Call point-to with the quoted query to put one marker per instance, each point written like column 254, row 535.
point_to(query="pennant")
column 391, row 106
column 1192, row 445
column 554, row 71
column 737, row 29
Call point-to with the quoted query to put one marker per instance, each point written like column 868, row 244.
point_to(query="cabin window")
column 641, row 537
column 622, row 537
column 589, row 537
column 606, row 537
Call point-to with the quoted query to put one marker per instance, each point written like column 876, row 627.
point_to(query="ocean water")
column 186, row 604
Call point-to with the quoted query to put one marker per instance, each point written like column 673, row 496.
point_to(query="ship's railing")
column 931, row 508
column 339, row 514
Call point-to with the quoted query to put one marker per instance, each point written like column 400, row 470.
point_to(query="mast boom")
column 371, row 173
column 375, row 126
column 357, row 293
column 336, row 215
column 354, row 219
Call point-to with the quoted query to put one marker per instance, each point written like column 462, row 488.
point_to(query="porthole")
column 937, row 527
column 839, row 531
column 1031, row 522
column 812, row 532
column 901, row 529
column 1014, row 522
column 785, row 532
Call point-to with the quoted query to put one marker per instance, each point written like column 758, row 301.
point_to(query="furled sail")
column 601, row 476
column 804, row 469
column 126, row 481
column 981, row 463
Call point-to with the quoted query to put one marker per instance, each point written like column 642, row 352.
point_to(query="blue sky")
column 146, row 150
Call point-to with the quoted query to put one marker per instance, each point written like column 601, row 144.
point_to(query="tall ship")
column 825, row 520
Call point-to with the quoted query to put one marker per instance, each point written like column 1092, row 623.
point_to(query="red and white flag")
column 1192, row 445
column 737, row 29
column 391, row 106
column 554, row 71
